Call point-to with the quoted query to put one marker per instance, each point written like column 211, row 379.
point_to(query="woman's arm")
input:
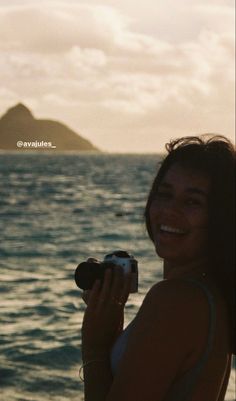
column 97, row 379
column 101, row 325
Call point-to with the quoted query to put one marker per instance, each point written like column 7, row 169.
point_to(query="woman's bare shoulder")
column 175, row 290
column 174, row 300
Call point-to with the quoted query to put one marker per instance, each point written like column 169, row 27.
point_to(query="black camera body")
column 87, row 272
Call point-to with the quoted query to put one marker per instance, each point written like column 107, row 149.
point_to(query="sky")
column 128, row 75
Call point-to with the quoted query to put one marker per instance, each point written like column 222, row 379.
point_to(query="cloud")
column 175, row 21
column 88, row 66
column 59, row 26
column 222, row 14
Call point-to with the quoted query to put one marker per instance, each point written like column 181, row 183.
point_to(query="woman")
column 179, row 346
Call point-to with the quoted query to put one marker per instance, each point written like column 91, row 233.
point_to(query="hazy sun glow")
column 126, row 76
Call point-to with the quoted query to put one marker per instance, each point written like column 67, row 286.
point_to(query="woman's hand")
column 86, row 293
column 103, row 318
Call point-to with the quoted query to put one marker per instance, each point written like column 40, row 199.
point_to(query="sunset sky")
column 127, row 75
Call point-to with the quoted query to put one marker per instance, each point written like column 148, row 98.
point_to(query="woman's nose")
column 173, row 206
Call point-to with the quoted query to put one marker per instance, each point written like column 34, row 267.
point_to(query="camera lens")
column 85, row 275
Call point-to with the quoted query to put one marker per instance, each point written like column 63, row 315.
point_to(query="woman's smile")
column 165, row 229
column 168, row 235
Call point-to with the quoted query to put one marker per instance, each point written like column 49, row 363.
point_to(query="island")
column 20, row 130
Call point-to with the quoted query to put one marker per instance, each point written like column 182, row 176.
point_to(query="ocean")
column 56, row 211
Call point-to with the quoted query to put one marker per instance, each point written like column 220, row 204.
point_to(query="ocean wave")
column 61, row 357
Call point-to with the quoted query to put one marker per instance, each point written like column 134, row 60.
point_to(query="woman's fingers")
column 115, row 289
column 85, row 296
column 117, row 283
column 106, row 287
column 121, row 286
column 127, row 287
column 93, row 295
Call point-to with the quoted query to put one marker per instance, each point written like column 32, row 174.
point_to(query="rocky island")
column 20, row 130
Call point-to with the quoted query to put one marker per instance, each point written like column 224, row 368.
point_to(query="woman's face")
column 179, row 215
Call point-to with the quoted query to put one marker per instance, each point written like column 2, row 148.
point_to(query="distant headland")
column 20, row 130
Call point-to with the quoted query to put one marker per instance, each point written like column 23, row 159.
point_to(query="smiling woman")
column 180, row 344
column 209, row 167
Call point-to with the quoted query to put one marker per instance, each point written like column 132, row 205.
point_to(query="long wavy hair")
column 213, row 155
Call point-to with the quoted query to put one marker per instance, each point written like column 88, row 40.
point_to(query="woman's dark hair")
column 213, row 155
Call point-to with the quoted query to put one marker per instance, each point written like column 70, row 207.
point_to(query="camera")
column 87, row 273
